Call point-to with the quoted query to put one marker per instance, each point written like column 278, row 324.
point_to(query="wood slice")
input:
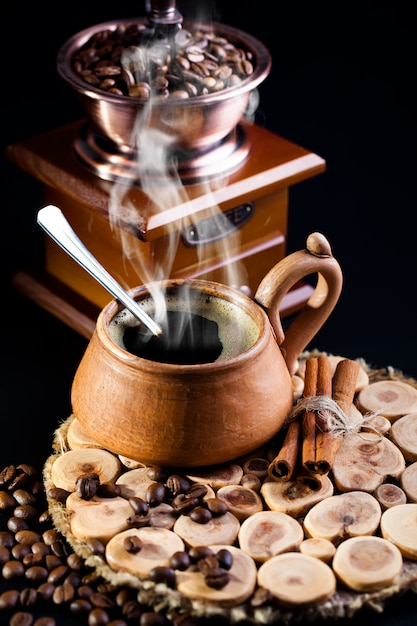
column 78, row 438
column 297, row 579
column 367, row 563
column 318, row 547
column 390, row 398
column 240, row 586
column 389, row 495
column 70, row 465
column 399, row 525
column 342, row 516
column 296, row 497
column 267, row 533
column 404, row 434
column 408, row 481
column 364, row 460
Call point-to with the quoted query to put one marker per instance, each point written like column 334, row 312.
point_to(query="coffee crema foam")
column 237, row 330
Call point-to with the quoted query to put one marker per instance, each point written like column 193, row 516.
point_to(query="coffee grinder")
column 231, row 181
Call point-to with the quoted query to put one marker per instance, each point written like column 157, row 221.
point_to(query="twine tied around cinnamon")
column 334, row 417
column 319, row 420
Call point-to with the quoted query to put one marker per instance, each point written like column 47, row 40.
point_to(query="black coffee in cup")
column 187, row 339
column 197, row 328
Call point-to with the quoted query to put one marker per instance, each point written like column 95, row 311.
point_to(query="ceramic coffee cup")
column 208, row 412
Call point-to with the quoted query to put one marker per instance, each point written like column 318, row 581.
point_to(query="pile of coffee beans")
column 43, row 582
column 124, row 62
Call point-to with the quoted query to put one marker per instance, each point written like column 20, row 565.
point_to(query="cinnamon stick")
column 308, row 450
column 324, row 435
column 344, row 384
column 284, row 464
column 343, row 392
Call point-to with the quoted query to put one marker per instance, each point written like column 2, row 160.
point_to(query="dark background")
column 342, row 85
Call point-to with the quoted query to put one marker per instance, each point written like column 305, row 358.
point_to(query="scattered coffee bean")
column 39, row 547
column 199, row 552
column 96, row 546
column 183, row 505
column 98, row 617
column 158, row 474
column 177, row 484
column 162, row 574
column 132, row 544
column 45, row 621
column 6, row 539
column 36, row 573
column 28, row 597
column 45, row 591
column 73, row 578
column 49, row 536
column 217, row 579
column 201, row 515
column 101, row 600
column 7, row 475
column 151, row 618
column 80, row 605
column 29, row 537
column 58, row 494
column 123, row 596
column 132, row 610
column 20, row 551
column 74, row 561
column 22, row 496
column 180, row 561
column 86, row 486
column 30, row 560
column 57, row 575
column 225, row 558
column 7, row 501
column 5, row 555
column 139, row 506
column 216, row 506
column 13, row 569
column 19, row 481
column 9, row 599
column 59, row 548
column 197, row 490
column 52, row 561
column 21, row 618
column 155, row 493
column 207, row 564
column 16, row 524
column 63, row 594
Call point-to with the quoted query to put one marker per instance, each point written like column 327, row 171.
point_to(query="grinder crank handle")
column 316, row 258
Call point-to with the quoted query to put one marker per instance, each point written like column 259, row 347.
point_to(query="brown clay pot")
column 207, row 413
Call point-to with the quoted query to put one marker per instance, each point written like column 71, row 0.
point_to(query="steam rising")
column 160, row 181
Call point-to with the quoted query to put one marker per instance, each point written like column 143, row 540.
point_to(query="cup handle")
column 316, row 258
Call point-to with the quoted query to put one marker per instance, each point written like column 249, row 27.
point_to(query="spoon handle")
column 53, row 222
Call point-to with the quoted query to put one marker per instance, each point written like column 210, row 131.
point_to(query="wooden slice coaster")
column 404, row 434
column 125, row 516
column 390, row 398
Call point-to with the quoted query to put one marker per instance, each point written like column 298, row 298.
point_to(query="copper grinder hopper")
column 188, row 84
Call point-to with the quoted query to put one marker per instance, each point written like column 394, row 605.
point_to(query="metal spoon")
column 53, row 222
